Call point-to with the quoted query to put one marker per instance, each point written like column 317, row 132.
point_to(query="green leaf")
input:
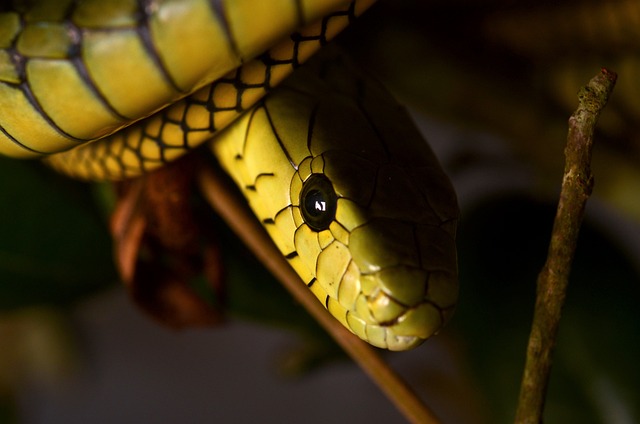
column 54, row 248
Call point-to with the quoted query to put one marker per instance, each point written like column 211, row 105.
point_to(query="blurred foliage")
column 7, row 410
column 54, row 251
column 502, row 246
column 54, row 248
column 37, row 348
column 514, row 68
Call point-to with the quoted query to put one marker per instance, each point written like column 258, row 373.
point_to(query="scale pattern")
column 195, row 119
column 75, row 71
column 386, row 264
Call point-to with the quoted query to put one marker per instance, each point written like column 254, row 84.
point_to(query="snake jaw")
column 407, row 289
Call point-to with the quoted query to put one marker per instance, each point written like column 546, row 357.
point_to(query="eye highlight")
column 318, row 201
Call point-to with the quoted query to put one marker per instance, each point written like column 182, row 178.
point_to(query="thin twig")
column 553, row 279
column 245, row 225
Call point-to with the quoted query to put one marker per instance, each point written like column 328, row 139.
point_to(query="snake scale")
column 330, row 164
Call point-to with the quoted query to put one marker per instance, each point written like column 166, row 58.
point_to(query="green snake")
column 332, row 167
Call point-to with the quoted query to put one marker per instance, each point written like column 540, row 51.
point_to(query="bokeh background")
column 491, row 84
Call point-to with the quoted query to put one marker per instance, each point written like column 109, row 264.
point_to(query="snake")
column 331, row 165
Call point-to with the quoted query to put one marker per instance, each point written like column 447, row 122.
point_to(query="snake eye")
column 318, row 202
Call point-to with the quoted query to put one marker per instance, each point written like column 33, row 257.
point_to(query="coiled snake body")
column 329, row 163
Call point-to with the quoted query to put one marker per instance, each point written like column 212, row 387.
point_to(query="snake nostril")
column 318, row 201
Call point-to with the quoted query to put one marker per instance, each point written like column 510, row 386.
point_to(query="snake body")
column 330, row 164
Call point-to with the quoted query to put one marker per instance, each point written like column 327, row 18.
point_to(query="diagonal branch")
column 236, row 214
column 553, row 279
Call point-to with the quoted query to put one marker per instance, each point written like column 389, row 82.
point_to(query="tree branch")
column 245, row 225
column 554, row 278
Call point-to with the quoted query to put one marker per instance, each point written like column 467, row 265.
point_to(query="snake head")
column 367, row 217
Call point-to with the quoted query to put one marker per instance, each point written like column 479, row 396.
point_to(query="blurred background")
column 491, row 86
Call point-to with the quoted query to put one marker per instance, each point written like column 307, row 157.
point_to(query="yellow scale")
column 330, row 164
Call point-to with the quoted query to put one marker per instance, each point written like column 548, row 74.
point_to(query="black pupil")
column 315, row 203
column 318, row 201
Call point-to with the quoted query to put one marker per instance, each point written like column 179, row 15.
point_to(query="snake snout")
column 408, row 281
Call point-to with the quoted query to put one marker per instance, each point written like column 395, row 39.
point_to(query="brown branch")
column 553, row 279
column 244, row 224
